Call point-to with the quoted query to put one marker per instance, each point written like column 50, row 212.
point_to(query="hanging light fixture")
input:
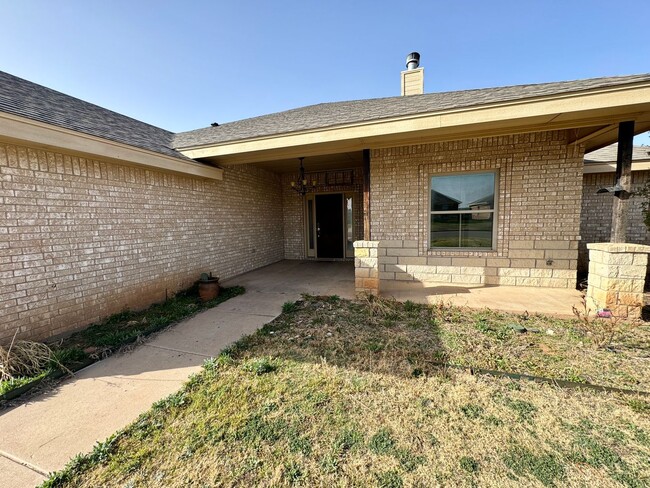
column 302, row 185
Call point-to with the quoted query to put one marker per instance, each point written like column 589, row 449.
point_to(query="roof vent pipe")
column 413, row 76
column 413, row 61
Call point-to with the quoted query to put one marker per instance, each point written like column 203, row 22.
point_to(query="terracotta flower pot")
column 209, row 289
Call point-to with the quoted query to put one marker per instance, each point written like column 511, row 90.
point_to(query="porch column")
column 621, row 206
column 617, row 278
column 366, row 194
column 366, row 267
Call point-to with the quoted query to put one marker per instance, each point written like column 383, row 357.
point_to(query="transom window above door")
column 463, row 211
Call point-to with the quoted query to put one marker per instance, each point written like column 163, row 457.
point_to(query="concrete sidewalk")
column 44, row 434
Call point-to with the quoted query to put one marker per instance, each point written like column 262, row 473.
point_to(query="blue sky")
column 182, row 65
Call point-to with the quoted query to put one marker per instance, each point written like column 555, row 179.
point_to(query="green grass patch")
column 382, row 442
column 13, row 384
column 548, row 468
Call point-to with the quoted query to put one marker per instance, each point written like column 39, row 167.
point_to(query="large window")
column 463, row 211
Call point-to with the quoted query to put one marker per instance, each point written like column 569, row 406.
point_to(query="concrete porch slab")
column 518, row 299
column 292, row 278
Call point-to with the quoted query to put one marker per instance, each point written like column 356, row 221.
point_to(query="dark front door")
column 329, row 225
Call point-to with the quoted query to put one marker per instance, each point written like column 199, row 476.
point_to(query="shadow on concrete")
column 516, row 299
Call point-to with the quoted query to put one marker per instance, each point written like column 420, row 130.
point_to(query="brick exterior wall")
column 538, row 215
column 294, row 208
column 596, row 217
column 82, row 239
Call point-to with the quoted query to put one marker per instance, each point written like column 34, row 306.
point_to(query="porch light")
column 301, row 186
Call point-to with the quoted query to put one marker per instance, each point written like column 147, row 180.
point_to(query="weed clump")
column 23, row 359
column 382, row 442
column 289, row 307
column 260, row 366
column 602, row 331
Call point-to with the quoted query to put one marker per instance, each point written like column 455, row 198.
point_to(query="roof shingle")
column 340, row 113
column 36, row 102
column 608, row 154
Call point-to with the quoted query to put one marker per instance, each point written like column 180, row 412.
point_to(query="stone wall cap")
column 365, row 243
column 619, row 247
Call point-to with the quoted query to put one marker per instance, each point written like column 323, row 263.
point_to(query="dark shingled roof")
column 26, row 99
column 340, row 113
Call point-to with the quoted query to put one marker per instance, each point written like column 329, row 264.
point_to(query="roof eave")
column 18, row 129
column 567, row 110
column 600, row 167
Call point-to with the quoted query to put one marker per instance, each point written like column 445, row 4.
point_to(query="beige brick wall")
column 82, row 239
column 294, row 208
column 538, row 218
column 596, row 216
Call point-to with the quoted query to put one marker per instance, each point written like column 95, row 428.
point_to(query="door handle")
column 317, row 229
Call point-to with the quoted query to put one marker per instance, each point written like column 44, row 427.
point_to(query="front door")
column 329, row 225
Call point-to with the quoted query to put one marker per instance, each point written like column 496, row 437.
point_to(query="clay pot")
column 208, row 289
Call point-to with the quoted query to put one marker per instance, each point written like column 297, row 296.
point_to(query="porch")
column 293, row 277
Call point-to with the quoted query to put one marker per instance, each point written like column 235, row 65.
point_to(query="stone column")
column 617, row 274
column 366, row 267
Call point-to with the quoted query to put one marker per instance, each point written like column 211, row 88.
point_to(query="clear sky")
column 181, row 65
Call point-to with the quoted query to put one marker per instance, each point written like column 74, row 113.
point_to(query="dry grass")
column 335, row 393
column 407, row 339
column 602, row 331
column 23, row 359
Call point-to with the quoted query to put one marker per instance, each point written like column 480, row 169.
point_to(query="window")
column 349, row 231
column 462, row 211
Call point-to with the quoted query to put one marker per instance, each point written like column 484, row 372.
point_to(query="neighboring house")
column 596, row 217
column 103, row 212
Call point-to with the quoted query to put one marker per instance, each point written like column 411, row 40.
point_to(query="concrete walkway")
column 44, row 434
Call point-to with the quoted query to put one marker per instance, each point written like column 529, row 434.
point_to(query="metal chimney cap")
column 413, row 60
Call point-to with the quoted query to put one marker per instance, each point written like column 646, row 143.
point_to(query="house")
column 103, row 212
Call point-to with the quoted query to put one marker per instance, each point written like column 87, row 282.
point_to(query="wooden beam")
column 621, row 209
column 366, row 194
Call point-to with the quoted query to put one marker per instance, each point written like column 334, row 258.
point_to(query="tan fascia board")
column 543, row 113
column 21, row 130
column 611, row 167
column 418, row 137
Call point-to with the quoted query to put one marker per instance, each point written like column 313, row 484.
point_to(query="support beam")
column 366, row 194
column 621, row 208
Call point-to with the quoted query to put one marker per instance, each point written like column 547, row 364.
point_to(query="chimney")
column 413, row 77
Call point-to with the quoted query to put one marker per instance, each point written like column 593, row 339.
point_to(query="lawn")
column 344, row 393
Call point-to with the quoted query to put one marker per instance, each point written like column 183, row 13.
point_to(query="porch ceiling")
column 352, row 159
